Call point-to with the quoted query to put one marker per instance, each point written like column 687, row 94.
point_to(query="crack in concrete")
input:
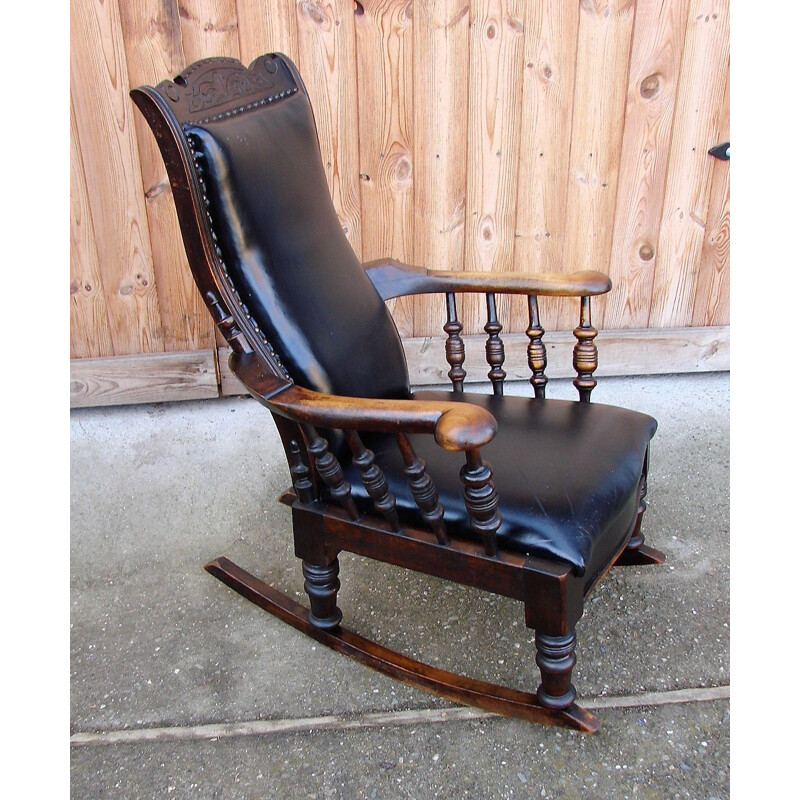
column 372, row 720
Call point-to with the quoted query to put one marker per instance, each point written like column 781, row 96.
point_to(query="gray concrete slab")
column 157, row 491
column 675, row 752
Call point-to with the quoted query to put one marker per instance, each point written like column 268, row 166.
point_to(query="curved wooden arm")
column 455, row 426
column 394, row 279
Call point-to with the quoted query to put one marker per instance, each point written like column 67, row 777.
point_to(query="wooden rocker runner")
column 532, row 499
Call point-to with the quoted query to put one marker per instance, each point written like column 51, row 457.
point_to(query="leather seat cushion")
column 567, row 475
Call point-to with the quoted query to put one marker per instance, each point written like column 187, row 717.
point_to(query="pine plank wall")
column 531, row 135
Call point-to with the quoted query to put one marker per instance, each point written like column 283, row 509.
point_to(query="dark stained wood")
column 330, row 470
column 454, row 346
column 455, row 426
column 423, row 489
column 640, row 557
column 394, row 279
column 495, row 352
column 301, row 474
column 636, row 551
column 480, row 497
column 327, row 529
column 584, row 357
column 537, row 352
column 555, row 657
column 374, row 480
column 322, row 586
column 459, row 689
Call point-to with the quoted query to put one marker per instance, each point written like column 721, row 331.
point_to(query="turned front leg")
column 555, row 656
column 322, row 586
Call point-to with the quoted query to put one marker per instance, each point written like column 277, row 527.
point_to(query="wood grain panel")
column 602, row 112
column 701, row 95
column 326, row 44
column 153, row 47
column 384, row 45
column 658, row 35
column 601, row 80
column 441, row 72
column 267, row 27
column 551, row 41
column 88, row 317
column 209, row 28
column 155, row 378
column 712, row 300
column 104, row 125
column 494, row 90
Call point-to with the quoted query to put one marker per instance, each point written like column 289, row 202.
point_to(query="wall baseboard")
column 204, row 374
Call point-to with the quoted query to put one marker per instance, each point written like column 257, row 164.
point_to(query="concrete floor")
column 180, row 688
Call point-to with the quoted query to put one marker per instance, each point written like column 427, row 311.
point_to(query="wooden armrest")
column 455, row 426
column 394, row 279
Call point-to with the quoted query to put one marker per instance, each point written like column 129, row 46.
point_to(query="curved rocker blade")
column 458, row 688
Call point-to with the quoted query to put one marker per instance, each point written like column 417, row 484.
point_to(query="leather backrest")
column 284, row 247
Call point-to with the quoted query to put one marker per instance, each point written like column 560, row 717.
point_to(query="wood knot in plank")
column 650, row 86
column 156, row 190
column 646, row 251
column 312, row 10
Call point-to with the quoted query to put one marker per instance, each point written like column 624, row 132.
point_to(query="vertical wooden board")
column 385, row 93
column 208, row 28
column 326, row 45
column 712, row 299
column 658, row 36
column 267, row 26
column 441, row 72
column 601, row 80
column 154, row 52
column 699, row 106
column 104, row 124
column 548, row 78
column 88, row 317
column 496, row 52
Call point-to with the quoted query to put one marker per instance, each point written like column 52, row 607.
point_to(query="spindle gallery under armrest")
column 393, row 278
column 584, row 358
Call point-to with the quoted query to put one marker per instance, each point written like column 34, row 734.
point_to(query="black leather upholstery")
column 567, row 474
column 286, row 252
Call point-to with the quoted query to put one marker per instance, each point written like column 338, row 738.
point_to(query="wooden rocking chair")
column 401, row 477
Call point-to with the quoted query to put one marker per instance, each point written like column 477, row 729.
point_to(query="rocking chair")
column 532, row 499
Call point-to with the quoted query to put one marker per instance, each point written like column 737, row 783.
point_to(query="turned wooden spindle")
column 322, row 587
column 423, row 489
column 454, row 346
column 330, row 470
column 301, row 475
column 480, row 498
column 584, row 354
column 495, row 351
column 374, row 480
column 555, row 656
column 537, row 352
